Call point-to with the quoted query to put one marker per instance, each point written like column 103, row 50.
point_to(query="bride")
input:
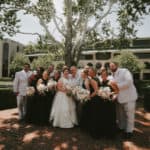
column 63, row 113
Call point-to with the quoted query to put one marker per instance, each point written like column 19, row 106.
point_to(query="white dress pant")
column 21, row 104
column 126, row 115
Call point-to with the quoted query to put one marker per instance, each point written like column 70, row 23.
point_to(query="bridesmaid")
column 43, row 101
column 108, row 122
column 91, row 109
column 31, row 100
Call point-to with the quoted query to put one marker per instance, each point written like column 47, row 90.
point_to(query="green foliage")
column 78, row 20
column 44, row 9
column 18, row 62
column 128, row 60
column 43, row 61
column 29, row 49
column 60, row 65
column 129, row 14
column 8, row 16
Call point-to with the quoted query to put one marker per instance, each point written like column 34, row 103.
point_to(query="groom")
column 126, row 99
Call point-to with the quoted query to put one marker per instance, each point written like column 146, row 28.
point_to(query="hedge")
column 7, row 98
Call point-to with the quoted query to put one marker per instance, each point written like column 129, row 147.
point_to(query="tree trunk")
column 68, row 38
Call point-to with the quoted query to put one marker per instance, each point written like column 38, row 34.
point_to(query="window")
column 142, row 55
column 86, row 57
column 147, row 65
column 146, row 76
column 5, row 59
column 103, row 56
column 18, row 49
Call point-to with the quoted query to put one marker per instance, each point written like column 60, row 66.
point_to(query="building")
column 139, row 46
column 8, row 48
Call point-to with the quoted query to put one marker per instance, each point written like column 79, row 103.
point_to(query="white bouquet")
column 69, row 90
column 30, row 91
column 105, row 93
column 41, row 88
column 81, row 94
column 51, row 84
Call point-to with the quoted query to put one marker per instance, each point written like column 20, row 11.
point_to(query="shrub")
column 18, row 62
column 43, row 61
column 128, row 60
column 7, row 98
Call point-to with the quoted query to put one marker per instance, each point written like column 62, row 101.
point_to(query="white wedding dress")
column 63, row 113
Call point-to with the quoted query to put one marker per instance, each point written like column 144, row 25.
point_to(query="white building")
column 8, row 48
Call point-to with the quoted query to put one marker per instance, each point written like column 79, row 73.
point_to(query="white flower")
column 41, row 88
column 69, row 90
column 81, row 93
column 51, row 84
column 30, row 91
column 105, row 92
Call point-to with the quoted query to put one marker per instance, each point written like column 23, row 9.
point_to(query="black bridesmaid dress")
column 43, row 106
column 98, row 116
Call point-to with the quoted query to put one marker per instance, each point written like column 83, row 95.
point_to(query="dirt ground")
column 22, row 136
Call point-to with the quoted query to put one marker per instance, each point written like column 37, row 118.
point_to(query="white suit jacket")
column 21, row 82
column 127, row 90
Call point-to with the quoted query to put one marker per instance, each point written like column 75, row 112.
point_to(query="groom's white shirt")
column 127, row 90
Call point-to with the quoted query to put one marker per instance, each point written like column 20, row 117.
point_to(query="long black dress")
column 108, row 117
column 90, row 112
column 39, row 106
column 43, row 106
column 98, row 116
column 31, row 100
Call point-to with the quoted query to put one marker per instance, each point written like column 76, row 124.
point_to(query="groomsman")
column 75, row 76
column 126, row 99
column 76, row 81
column 19, row 87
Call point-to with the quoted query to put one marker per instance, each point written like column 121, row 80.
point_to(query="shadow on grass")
column 23, row 136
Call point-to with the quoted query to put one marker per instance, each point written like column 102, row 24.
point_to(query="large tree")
column 80, row 18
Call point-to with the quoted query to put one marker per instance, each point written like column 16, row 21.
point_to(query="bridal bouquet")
column 51, row 84
column 105, row 93
column 30, row 91
column 69, row 90
column 81, row 94
column 41, row 88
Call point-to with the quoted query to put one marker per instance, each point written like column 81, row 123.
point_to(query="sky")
column 31, row 24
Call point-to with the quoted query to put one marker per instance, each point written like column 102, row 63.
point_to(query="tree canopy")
column 77, row 20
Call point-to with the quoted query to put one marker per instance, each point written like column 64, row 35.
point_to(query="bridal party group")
column 99, row 101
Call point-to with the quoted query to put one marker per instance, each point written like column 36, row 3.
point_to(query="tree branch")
column 57, row 26
column 50, row 36
column 101, row 18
